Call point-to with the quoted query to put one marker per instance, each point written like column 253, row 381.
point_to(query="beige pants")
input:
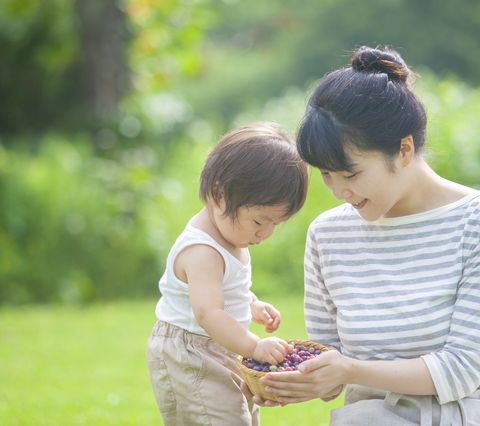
column 195, row 380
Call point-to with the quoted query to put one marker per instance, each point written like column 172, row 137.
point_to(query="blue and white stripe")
column 400, row 288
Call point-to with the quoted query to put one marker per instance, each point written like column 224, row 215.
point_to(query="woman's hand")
column 320, row 377
column 265, row 314
column 257, row 399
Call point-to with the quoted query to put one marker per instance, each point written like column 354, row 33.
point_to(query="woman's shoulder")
column 465, row 213
column 342, row 214
column 475, row 199
column 467, row 207
column 472, row 208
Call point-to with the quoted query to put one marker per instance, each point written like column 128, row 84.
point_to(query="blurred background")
column 107, row 111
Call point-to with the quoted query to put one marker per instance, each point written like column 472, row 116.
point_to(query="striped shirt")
column 400, row 288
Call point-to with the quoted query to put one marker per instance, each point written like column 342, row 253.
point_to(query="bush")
column 77, row 226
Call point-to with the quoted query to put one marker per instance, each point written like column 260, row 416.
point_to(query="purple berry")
column 298, row 355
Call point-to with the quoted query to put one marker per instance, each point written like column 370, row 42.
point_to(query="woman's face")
column 374, row 187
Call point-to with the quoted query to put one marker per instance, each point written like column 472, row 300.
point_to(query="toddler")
column 252, row 180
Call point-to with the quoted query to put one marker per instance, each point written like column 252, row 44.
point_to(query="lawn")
column 67, row 366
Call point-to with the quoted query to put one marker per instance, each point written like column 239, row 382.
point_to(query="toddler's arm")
column 204, row 268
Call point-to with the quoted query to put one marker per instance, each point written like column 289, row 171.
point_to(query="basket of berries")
column 252, row 371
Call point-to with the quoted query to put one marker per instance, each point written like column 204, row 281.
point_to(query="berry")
column 299, row 354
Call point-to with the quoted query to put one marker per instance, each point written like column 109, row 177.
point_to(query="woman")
column 392, row 276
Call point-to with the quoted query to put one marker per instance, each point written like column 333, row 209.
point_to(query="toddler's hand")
column 265, row 314
column 272, row 350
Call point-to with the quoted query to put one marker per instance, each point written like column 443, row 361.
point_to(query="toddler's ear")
column 217, row 202
column 216, row 195
column 217, row 192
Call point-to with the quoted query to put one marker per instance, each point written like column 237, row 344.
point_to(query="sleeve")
column 455, row 370
column 320, row 312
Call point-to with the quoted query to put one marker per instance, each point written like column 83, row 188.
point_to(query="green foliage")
column 220, row 57
column 73, row 230
column 78, row 226
column 168, row 38
column 63, row 61
column 257, row 49
column 37, row 75
column 453, row 109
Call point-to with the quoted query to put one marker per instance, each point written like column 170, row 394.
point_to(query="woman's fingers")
column 265, row 402
column 322, row 360
column 245, row 390
column 257, row 399
column 293, row 384
column 286, row 376
column 295, row 392
column 290, row 400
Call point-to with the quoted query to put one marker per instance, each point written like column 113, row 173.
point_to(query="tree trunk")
column 103, row 36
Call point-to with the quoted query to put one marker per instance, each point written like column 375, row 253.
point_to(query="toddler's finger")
column 286, row 346
column 277, row 357
column 269, row 328
column 267, row 316
column 282, row 353
column 275, row 323
column 272, row 311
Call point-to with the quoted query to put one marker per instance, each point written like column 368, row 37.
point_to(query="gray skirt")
column 373, row 407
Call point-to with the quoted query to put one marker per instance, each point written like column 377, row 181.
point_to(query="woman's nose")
column 340, row 191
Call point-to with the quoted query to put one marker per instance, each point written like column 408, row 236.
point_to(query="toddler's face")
column 252, row 225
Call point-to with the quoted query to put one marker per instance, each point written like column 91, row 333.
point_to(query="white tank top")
column 174, row 304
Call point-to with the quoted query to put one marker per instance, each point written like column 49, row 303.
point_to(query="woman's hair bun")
column 374, row 61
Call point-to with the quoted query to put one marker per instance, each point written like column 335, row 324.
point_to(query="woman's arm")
column 319, row 377
column 407, row 376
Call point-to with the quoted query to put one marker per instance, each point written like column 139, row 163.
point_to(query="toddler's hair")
column 256, row 164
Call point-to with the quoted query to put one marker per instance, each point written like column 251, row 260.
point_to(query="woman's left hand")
column 257, row 399
column 320, row 377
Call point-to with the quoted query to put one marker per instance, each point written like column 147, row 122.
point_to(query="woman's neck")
column 425, row 190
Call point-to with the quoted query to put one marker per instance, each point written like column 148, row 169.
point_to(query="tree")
column 259, row 49
column 67, row 65
column 104, row 35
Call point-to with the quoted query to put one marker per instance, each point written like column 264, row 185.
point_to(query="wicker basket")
column 252, row 377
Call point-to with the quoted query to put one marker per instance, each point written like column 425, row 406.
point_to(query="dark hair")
column 369, row 105
column 255, row 165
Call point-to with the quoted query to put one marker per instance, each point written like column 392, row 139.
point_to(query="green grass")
column 67, row 366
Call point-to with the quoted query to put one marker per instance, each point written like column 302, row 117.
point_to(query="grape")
column 299, row 354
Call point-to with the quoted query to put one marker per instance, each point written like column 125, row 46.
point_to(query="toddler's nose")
column 265, row 231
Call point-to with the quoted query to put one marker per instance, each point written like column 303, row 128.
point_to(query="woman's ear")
column 407, row 150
